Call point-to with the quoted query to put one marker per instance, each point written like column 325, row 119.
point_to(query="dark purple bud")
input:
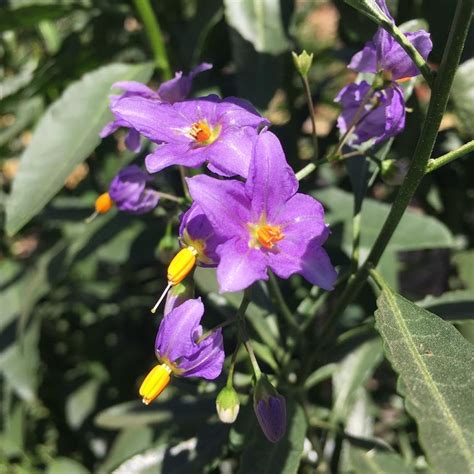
column 270, row 408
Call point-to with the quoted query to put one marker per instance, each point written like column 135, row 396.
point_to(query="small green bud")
column 167, row 248
column 394, row 171
column 227, row 405
column 303, row 62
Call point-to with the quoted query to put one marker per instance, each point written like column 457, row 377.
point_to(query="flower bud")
column 394, row 171
column 302, row 62
column 270, row 408
column 227, row 405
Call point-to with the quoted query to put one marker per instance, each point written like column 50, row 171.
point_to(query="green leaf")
column 414, row 232
column 276, row 458
column 454, row 306
column 319, row 375
column 63, row 465
column 462, row 94
column 435, row 365
column 465, row 264
column 352, row 373
column 377, row 461
column 82, row 402
column 369, row 8
column 259, row 22
column 65, row 136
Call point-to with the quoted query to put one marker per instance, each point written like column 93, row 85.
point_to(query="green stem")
column 230, row 375
column 281, row 303
column 155, row 36
column 423, row 150
column 436, row 163
column 309, row 100
column 309, row 168
column 225, row 323
column 243, row 333
column 414, row 54
column 170, row 197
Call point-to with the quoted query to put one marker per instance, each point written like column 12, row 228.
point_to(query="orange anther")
column 201, row 131
column 269, row 235
column 103, row 203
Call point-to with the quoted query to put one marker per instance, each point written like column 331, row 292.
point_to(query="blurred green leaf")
column 65, row 136
column 353, row 371
column 415, row 231
column 278, row 458
column 377, row 461
column 320, row 374
column 454, row 306
column 82, row 402
column 259, row 22
column 436, row 369
column 462, row 94
column 369, row 8
column 465, row 264
column 62, row 465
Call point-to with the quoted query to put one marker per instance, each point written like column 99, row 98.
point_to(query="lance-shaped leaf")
column 436, row 369
column 371, row 9
column 65, row 136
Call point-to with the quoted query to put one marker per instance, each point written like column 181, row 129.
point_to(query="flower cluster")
column 374, row 112
column 245, row 220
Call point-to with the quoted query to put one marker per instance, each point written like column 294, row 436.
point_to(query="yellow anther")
column 155, row 382
column 269, row 235
column 181, row 265
column 103, row 203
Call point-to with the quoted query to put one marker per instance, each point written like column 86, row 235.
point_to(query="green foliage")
column 463, row 97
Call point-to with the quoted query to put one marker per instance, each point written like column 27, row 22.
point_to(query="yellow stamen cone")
column 155, row 382
column 181, row 265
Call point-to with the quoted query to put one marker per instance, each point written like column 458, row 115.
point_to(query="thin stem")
column 155, row 36
column 307, row 170
column 244, row 336
column 309, row 100
column 225, row 323
column 182, row 174
column 281, row 303
column 170, row 197
column 356, row 238
column 230, row 375
column 410, row 49
column 423, row 150
column 436, row 163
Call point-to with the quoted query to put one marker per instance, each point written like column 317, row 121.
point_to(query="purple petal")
column 176, row 334
column 135, row 88
column 112, row 127
column 132, row 141
column 285, row 259
column 317, row 268
column 128, row 184
column 195, row 226
column 271, row 182
column 146, row 202
column 239, row 266
column 179, row 87
column 174, row 154
column 397, row 60
column 208, row 359
column 365, row 60
column 233, row 111
column 195, row 110
column 271, row 415
column 157, row 121
column 230, row 154
column 224, row 202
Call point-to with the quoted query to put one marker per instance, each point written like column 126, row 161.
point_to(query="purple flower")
column 170, row 91
column 270, row 408
column 265, row 223
column 176, row 343
column 129, row 193
column 196, row 231
column 383, row 53
column 382, row 117
column 193, row 132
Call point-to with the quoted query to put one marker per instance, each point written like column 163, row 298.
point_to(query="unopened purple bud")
column 270, row 408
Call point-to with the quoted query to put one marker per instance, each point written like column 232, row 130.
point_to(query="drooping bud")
column 302, row 62
column 227, row 405
column 155, row 382
column 270, row 408
column 394, row 171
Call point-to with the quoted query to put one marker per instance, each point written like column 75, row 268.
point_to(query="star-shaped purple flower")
column 129, row 192
column 190, row 133
column 265, row 222
column 383, row 53
column 170, row 91
column 382, row 117
column 176, row 343
column 196, row 231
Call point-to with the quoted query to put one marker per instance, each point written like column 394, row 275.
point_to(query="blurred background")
column 76, row 334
